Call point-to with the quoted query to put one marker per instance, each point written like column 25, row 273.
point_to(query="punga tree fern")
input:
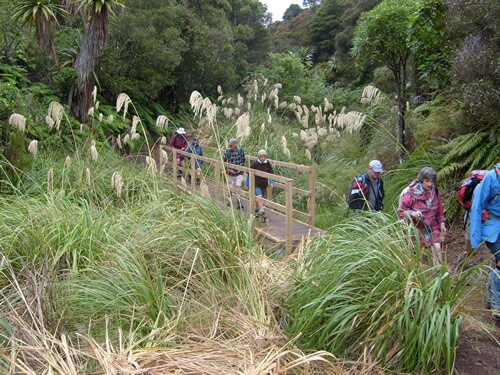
column 477, row 150
column 94, row 42
column 40, row 13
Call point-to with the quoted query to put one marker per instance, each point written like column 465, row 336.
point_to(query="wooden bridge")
column 286, row 225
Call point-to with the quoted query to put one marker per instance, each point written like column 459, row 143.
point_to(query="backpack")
column 467, row 188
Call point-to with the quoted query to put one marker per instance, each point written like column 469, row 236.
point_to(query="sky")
column 278, row 7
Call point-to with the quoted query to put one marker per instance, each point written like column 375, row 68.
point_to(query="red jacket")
column 414, row 198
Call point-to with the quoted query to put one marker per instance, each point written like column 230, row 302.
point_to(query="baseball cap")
column 376, row 165
column 232, row 141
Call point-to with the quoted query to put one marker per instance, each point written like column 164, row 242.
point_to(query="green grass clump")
column 364, row 290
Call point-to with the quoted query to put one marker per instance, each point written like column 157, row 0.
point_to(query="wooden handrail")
column 281, row 182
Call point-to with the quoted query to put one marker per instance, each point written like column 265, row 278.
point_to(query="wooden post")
column 288, row 216
column 174, row 165
column 193, row 172
column 311, row 202
column 251, row 191
column 218, row 187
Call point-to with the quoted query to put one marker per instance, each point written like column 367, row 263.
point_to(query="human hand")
column 443, row 231
column 416, row 214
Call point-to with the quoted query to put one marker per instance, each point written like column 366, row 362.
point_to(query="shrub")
column 363, row 290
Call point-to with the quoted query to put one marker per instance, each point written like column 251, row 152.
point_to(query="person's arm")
column 243, row 159
column 270, row 170
column 479, row 199
column 405, row 209
column 440, row 216
column 355, row 197
column 172, row 140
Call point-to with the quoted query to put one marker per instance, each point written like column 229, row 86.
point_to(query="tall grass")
column 364, row 290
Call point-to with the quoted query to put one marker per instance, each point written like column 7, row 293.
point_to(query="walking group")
column 234, row 155
column 421, row 204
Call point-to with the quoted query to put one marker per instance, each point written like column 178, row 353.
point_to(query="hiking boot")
column 496, row 317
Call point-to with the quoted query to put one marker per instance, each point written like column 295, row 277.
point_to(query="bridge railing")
column 309, row 215
column 221, row 186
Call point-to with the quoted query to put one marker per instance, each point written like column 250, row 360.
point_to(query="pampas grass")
column 18, row 121
column 55, row 113
column 122, row 101
column 93, row 151
column 33, row 147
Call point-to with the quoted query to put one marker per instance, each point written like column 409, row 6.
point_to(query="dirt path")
column 478, row 351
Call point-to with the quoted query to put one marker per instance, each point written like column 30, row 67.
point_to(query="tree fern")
column 463, row 144
column 478, row 150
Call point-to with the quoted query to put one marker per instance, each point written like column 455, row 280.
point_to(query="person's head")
column 497, row 167
column 181, row 131
column 233, row 143
column 195, row 141
column 375, row 169
column 262, row 155
column 427, row 177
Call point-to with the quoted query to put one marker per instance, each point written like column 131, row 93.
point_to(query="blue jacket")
column 196, row 149
column 486, row 197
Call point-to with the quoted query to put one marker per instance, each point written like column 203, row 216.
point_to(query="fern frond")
column 465, row 144
column 493, row 157
column 450, row 170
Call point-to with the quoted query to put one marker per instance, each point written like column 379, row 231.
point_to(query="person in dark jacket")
column 179, row 142
column 261, row 183
column 235, row 155
column 367, row 191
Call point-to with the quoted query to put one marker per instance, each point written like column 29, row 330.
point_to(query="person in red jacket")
column 179, row 142
column 421, row 204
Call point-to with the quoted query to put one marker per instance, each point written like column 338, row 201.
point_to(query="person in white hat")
column 367, row 190
column 179, row 142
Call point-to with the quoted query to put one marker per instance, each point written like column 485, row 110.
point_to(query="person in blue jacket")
column 485, row 226
column 195, row 148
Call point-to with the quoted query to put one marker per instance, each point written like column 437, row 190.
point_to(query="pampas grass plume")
column 117, row 183
column 68, row 162
column 88, row 177
column 93, row 152
column 19, row 121
column 49, row 121
column 33, row 147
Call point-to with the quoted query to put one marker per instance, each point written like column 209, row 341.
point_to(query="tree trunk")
column 94, row 42
column 399, row 71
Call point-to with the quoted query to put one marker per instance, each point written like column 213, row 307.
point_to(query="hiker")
column 367, row 191
column 465, row 199
column 179, row 142
column 195, row 148
column 421, row 204
column 485, row 226
column 261, row 183
column 234, row 155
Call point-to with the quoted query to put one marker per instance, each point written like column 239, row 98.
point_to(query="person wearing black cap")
column 367, row 191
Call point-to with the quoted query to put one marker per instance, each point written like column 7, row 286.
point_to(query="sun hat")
column 181, row 131
column 262, row 152
column 376, row 165
column 232, row 141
